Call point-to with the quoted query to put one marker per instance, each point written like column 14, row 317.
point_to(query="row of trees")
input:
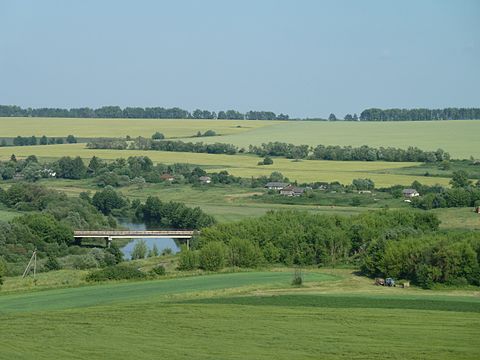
column 367, row 153
column 141, row 143
column 290, row 151
column 420, row 114
column 33, row 140
column 137, row 113
column 348, row 153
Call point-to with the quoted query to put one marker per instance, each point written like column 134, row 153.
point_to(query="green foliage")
column 140, row 250
column 363, row 184
column 173, row 214
column 83, row 262
column 159, row 270
column 118, row 272
column 267, row 160
column 107, row 200
column 71, row 139
column 52, row 264
column 153, row 252
column 212, row 256
column 69, row 168
column 188, row 259
column 244, row 253
column 158, row 136
column 460, row 179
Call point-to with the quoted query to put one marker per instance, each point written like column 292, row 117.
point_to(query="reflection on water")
column 161, row 243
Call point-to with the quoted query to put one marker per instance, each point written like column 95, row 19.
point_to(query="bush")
column 52, row 264
column 167, row 251
column 159, row 270
column 188, row 260
column 212, row 256
column 267, row 160
column 244, row 253
column 82, row 262
column 139, row 250
column 158, row 136
column 117, row 272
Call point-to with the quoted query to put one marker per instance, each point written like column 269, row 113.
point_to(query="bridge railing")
column 80, row 233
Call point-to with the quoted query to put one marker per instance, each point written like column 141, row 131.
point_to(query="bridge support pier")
column 108, row 241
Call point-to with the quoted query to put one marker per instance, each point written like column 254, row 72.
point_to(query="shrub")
column 212, row 256
column 167, row 251
column 117, row 272
column 244, row 253
column 83, row 262
column 158, row 136
column 159, row 270
column 189, row 260
column 267, row 160
column 139, row 250
column 52, row 264
column 297, row 278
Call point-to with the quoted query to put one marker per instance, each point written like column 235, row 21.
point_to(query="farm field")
column 335, row 315
column 427, row 135
column 94, row 128
column 244, row 165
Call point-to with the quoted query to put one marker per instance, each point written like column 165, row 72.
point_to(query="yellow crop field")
column 94, row 128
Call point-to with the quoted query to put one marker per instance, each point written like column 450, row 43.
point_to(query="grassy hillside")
column 204, row 317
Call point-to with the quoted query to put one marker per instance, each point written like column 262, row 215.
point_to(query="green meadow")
column 250, row 315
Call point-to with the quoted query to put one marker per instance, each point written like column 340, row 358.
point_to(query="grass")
column 251, row 315
column 382, row 173
column 458, row 218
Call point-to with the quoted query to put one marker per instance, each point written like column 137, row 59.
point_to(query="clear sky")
column 304, row 58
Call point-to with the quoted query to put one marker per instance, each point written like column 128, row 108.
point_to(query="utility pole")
column 33, row 261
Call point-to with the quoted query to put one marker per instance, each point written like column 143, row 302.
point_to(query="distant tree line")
column 137, row 113
column 290, row 151
column 420, row 114
column 33, row 140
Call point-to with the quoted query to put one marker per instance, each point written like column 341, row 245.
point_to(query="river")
column 161, row 243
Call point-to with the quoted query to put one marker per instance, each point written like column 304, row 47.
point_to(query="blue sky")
column 304, row 58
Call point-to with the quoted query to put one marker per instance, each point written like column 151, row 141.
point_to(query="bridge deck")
column 130, row 234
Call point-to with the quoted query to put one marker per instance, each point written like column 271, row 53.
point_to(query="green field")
column 457, row 137
column 382, row 173
column 252, row 315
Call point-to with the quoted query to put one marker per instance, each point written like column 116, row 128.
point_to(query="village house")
column 410, row 193
column 205, row 179
column 292, row 191
column 167, row 177
column 275, row 185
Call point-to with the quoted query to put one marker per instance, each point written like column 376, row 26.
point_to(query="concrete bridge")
column 110, row 235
